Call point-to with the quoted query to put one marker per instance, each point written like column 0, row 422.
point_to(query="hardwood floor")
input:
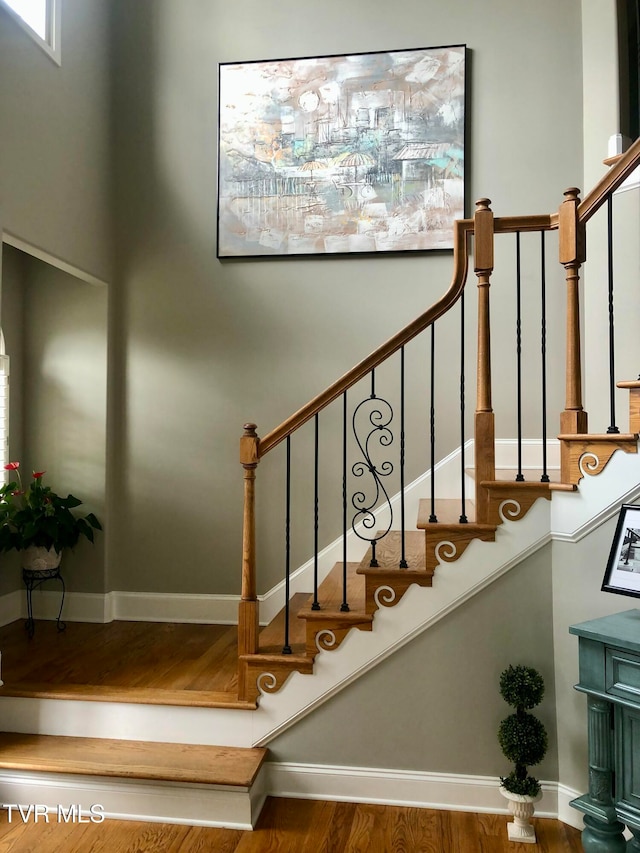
column 295, row 826
column 138, row 658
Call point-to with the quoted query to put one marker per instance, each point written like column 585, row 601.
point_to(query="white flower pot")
column 37, row 558
column 521, row 807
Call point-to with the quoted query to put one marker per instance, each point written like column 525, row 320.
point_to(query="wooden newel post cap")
column 249, row 456
column 572, row 194
column 483, row 204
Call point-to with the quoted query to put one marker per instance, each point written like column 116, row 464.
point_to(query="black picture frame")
column 342, row 154
column 622, row 574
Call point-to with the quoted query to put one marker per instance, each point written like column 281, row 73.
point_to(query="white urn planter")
column 521, row 807
column 37, row 558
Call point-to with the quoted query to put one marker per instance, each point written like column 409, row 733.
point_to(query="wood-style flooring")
column 296, row 826
column 173, row 663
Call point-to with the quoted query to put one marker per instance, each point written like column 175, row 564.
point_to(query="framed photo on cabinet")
column 623, row 567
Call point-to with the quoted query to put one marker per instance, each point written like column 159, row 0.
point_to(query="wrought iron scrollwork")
column 371, row 420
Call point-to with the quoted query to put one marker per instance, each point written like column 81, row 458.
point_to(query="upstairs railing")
column 365, row 426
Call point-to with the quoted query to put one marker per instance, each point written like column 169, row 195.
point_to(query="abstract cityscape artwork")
column 341, row 154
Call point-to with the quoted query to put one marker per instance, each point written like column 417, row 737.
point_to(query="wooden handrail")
column 616, row 175
column 462, row 227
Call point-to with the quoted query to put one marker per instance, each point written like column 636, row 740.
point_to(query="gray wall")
column 201, row 346
column 435, row 705
column 55, row 174
column 64, row 381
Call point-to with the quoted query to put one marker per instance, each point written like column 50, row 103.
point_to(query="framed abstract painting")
column 327, row 155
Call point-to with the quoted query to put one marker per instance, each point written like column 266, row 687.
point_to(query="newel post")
column 485, row 456
column 573, row 421
column 248, row 610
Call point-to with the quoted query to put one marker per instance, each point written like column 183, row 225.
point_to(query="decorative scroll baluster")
column 248, row 608
column 433, row 518
column 286, row 649
column 316, row 459
column 403, row 555
column 519, row 475
column 372, row 416
column 543, row 347
column 485, row 458
column 344, row 607
column 463, row 498
column 613, row 429
column 573, row 420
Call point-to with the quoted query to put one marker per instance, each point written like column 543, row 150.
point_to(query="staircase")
column 353, row 592
column 398, row 563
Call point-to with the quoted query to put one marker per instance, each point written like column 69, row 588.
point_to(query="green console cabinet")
column 609, row 657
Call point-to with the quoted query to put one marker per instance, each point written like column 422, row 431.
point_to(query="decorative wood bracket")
column 589, row 454
column 447, row 542
column 511, row 500
column 259, row 673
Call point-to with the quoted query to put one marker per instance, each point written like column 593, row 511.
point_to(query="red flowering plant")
column 38, row 516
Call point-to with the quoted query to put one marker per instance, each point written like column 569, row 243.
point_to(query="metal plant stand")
column 32, row 580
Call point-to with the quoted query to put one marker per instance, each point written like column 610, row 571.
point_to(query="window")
column 41, row 19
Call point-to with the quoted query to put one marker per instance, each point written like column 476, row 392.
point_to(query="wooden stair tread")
column 330, row 594
column 133, row 695
column 447, row 511
column 271, row 637
column 607, row 436
column 168, row 762
column 450, row 523
column 389, row 551
column 528, row 485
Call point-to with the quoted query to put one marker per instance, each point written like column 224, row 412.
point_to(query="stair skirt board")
column 126, row 799
column 454, row 792
column 223, row 609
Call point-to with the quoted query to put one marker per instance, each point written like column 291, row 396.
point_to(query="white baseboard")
column 456, row 792
column 133, row 606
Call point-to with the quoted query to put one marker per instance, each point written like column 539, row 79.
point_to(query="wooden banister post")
column 485, row 456
column 573, row 420
column 248, row 610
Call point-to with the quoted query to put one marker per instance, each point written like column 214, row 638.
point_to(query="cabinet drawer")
column 622, row 674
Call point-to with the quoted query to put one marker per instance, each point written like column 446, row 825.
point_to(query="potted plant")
column 39, row 523
column 523, row 740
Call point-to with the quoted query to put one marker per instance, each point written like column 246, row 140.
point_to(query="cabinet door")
column 627, row 783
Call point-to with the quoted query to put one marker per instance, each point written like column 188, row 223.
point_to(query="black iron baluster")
column 403, row 556
column 612, row 373
column 374, row 414
column 344, row 607
column 286, row 649
column 519, row 475
column 463, row 515
column 433, row 518
column 316, row 458
column 543, row 331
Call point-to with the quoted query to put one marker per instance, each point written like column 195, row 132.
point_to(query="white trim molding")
column 52, row 260
column 449, row 791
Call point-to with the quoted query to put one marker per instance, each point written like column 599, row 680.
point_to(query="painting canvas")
column 341, row 154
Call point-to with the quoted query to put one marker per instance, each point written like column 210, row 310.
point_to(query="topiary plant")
column 522, row 737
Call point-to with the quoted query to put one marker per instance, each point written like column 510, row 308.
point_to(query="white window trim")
column 50, row 45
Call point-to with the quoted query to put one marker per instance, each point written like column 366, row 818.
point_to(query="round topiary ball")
column 523, row 739
column 521, row 687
